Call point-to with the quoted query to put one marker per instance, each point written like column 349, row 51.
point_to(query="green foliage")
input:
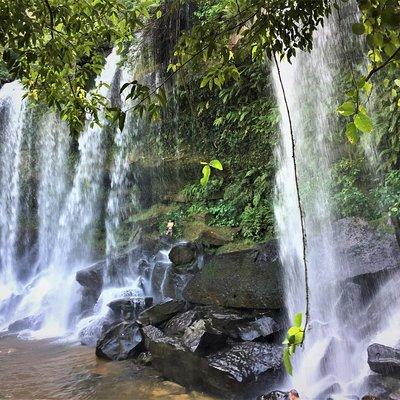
column 257, row 221
column 348, row 198
column 223, row 214
column 379, row 23
column 388, row 194
column 177, row 215
column 294, row 339
column 56, row 48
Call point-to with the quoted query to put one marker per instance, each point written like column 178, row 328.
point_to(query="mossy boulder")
column 244, row 279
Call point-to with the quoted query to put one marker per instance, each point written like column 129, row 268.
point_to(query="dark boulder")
column 178, row 324
column 213, row 238
column 275, row 395
column 384, row 360
column 91, row 280
column 183, row 253
column 243, row 279
column 92, row 277
column 174, row 283
column 248, row 361
column 121, row 341
column 161, row 312
column 245, row 368
column 260, row 327
column 367, row 255
column 238, row 325
column 198, row 339
column 130, row 308
column 33, row 322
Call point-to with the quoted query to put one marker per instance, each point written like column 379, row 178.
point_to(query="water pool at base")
column 42, row 369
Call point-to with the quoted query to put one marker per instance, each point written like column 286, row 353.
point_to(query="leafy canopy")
column 57, row 47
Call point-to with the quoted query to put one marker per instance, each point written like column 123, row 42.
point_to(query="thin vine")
column 296, row 333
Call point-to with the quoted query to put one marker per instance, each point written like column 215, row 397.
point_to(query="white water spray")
column 12, row 108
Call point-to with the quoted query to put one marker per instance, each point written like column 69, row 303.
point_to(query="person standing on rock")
column 170, row 227
column 294, row 395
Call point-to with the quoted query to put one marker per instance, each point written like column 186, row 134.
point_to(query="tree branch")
column 47, row 4
column 299, row 202
column 375, row 70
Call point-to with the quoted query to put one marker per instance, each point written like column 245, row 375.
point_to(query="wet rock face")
column 33, row 322
column 121, row 341
column 161, row 312
column 275, row 395
column 91, row 280
column 198, row 339
column 384, row 360
column 178, row 324
column 239, row 325
column 233, row 371
column 242, row 279
column 92, row 277
column 246, row 361
column 129, row 309
column 365, row 250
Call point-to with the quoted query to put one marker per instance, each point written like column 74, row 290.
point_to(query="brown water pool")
column 41, row 369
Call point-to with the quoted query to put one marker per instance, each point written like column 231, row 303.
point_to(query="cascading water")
column 66, row 218
column 12, row 109
column 334, row 357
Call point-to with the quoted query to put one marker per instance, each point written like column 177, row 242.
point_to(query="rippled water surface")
column 45, row 370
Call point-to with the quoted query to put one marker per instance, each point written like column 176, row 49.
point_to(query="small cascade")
column 12, row 107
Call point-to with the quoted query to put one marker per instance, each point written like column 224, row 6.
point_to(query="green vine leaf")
column 216, row 164
column 206, row 175
column 346, row 109
column 363, row 122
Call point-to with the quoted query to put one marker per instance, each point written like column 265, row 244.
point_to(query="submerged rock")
column 161, row 312
column 384, row 360
column 242, row 279
column 33, row 322
column 121, row 341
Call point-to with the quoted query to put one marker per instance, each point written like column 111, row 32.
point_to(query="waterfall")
column 12, row 108
column 67, row 211
column 53, row 159
column 331, row 356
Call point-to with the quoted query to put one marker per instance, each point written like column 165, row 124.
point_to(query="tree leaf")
column 158, row 14
column 347, row 108
column 351, row 133
column 363, row 122
column 297, row 320
column 121, row 120
column 124, row 86
column 216, row 164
